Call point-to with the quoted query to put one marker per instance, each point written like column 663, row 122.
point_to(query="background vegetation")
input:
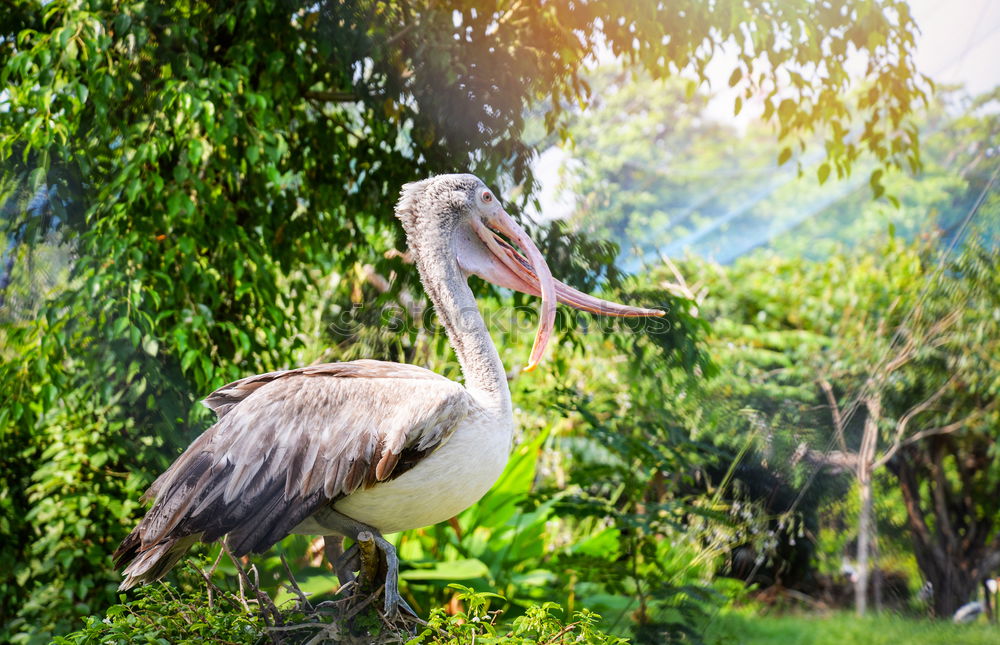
column 192, row 194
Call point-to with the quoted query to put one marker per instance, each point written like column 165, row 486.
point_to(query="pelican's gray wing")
column 284, row 444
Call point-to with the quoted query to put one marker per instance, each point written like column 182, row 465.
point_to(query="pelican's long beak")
column 509, row 268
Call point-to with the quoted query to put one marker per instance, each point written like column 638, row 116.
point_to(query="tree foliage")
column 900, row 334
column 661, row 172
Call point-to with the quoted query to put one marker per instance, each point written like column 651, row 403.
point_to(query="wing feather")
column 284, row 444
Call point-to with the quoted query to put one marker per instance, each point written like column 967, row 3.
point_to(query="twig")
column 933, row 432
column 328, row 632
column 930, row 432
column 681, row 287
column 838, row 420
column 332, row 96
column 292, row 628
column 293, row 585
column 215, row 564
column 920, row 407
column 214, row 589
column 559, row 634
column 208, row 578
column 264, row 603
column 347, row 585
column 356, row 609
column 242, row 577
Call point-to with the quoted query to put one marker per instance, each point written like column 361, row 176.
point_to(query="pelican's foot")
column 396, row 605
column 363, row 557
column 393, row 600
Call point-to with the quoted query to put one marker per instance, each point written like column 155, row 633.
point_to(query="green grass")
column 738, row 628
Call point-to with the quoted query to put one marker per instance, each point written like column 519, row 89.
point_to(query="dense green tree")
column 912, row 391
column 759, row 412
column 943, row 450
column 878, row 358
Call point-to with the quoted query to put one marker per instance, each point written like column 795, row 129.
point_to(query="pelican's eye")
column 487, row 196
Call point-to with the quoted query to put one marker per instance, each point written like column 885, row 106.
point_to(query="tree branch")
column 939, row 488
column 947, row 429
column 337, row 96
column 918, row 524
column 898, row 441
column 681, row 287
column 838, row 420
column 837, row 460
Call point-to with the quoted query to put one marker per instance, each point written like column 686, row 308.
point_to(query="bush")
column 164, row 614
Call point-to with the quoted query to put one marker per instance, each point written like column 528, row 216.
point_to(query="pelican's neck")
column 448, row 289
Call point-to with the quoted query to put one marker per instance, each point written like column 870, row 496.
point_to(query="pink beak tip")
column 531, row 367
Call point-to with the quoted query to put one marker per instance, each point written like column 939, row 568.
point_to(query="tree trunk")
column 865, row 522
column 877, row 580
column 957, row 588
column 947, row 568
column 991, row 615
column 866, row 516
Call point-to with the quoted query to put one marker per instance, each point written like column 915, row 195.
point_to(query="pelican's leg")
column 348, row 562
column 340, row 523
column 343, row 563
column 333, row 547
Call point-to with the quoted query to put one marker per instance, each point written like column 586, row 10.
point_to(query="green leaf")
column 785, row 110
column 875, row 181
column 190, row 356
column 118, row 329
column 467, row 569
column 735, row 77
column 36, row 178
column 823, row 172
column 150, row 345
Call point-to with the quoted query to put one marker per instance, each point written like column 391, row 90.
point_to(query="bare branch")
column 293, row 586
column 923, row 434
column 837, row 461
column 264, row 603
column 897, row 440
column 902, row 357
column 558, row 635
column 681, row 286
column 838, row 420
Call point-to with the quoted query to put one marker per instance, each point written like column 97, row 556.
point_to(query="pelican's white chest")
column 442, row 484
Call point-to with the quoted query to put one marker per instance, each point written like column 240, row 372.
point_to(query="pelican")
column 338, row 449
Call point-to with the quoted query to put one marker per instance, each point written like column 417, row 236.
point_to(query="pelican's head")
column 464, row 218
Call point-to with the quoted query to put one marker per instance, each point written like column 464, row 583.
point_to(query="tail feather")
column 149, row 564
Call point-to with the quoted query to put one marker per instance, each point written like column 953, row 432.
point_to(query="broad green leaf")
column 466, row 569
